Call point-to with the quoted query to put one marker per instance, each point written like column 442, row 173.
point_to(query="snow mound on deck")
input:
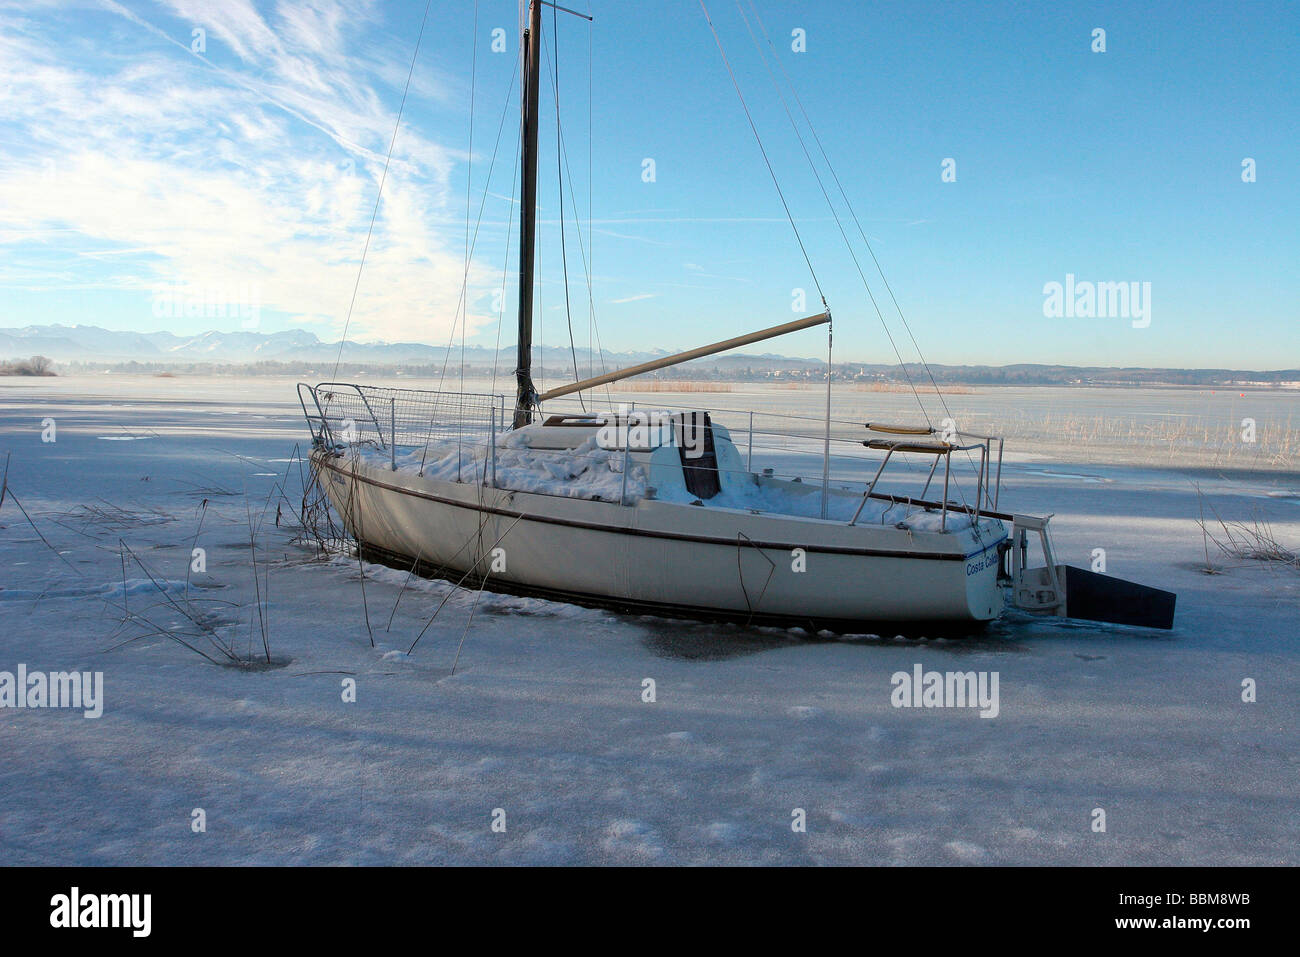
column 588, row 471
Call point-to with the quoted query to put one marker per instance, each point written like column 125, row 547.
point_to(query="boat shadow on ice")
column 688, row 640
column 1015, row 633
column 685, row 640
column 1019, row 628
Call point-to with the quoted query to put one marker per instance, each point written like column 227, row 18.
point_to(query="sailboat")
column 664, row 511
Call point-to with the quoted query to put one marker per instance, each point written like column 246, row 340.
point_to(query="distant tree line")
column 735, row 369
column 36, row 365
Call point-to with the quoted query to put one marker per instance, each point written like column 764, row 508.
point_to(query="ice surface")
column 545, row 718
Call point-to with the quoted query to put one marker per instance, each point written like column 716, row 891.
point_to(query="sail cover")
column 699, row 457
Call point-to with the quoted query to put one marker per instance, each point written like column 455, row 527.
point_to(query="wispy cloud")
column 637, row 298
column 255, row 161
column 631, row 238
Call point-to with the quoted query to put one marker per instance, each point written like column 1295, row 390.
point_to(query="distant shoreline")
column 87, row 349
column 949, row 378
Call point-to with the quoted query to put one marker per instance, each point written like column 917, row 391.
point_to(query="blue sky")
column 246, row 173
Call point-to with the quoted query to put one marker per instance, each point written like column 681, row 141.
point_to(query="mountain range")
column 291, row 352
column 81, row 343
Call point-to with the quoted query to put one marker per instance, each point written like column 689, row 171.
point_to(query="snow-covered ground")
column 544, row 717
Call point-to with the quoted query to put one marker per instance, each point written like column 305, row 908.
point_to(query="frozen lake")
column 544, row 718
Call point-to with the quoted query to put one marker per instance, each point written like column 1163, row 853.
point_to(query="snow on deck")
column 590, row 472
column 586, row 471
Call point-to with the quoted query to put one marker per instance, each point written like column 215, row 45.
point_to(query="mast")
column 526, row 394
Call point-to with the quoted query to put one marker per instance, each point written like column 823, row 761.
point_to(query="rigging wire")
column 594, row 326
column 378, row 195
column 473, row 244
column 856, row 222
column 514, row 185
column 763, row 150
column 477, row 226
column 505, row 271
column 559, row 176
column 866, row 242
column 469, row 183
column 830, row 205
column 591, row 302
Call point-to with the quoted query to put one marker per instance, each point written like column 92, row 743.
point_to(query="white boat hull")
column 668, row 558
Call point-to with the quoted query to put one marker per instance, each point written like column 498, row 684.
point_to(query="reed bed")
column 901, row 387
column 877, row 388
column 1252, row 540
column 673, row 385
column 1201, row 441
